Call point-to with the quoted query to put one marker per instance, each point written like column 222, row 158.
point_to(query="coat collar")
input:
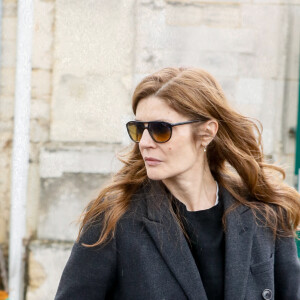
column 174, row 248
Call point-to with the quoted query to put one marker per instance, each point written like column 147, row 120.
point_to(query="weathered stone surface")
column 89, row 108
column 262, row 99
column 229, row 87
column 293, row 43
column 62, row 200
column 209, row 15
column 8, row 53
column 40, row 109
column 9, row 28
column 211, row 39
column 42, row 49
column 9, row 9
column 287, row 162
column 33, row 198
column 219, row 64
column 209, row 1
column 98, row 160
column 41, row 84
column 5, row 176
column 6, row 109
column 45, row 265
column 289, row 115
column 250, row 91
column 39, row 130
column 5, row 183
column 271, row 115
column 268, row 58
column 89, row 27
column 7, row 82
column 89, row 92
column 276, row 1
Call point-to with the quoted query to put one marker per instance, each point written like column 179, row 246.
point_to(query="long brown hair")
column 235, row 156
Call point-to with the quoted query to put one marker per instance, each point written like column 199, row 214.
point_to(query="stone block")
column 40, row 109
column 45, row 265
column 261, row 99
column 235, row 40
column 41, row 84
column 8, row 54
column 4, row 195
column 6, row 109
column 91, row 74
column 39, row 130
column 42, row 50
column 229, row 87
column 268, row 59
column 9, row 9
column 290, row 115
column 271, row 115
column 287, row 161
column 203, row 15
column 9, row 28
column 62, row 200
column 261, row 16
column 95, row 160
column 154, row 4
column 150, row 26
column 180, row 15
column 6, row 136
column 219, row 64
column 293, row 43
column 89, row 108
column 83, row 35
column 34, row 153
column 264, row 66
column 285, row 2
column 7, row 83
column 268, row 140
column 150, row 60
column 250, row 91
column 150, row 40
column 208, row 1
column 33, row 196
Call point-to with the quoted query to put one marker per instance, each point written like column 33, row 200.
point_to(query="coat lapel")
column 172, row 244
column 174, row 248
column 238, row 245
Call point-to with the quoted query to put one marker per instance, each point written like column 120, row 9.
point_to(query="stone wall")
column 7, row 81
column 87, row 58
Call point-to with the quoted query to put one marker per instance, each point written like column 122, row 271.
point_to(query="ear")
column 208, row 130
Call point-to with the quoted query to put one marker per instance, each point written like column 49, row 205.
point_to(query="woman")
column 195, row 212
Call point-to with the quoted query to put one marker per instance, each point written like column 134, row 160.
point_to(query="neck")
column 196, row 190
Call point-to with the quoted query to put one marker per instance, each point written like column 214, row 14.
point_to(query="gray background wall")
column 87, row 58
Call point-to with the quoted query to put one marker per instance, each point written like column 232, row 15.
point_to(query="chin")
column 156, row 175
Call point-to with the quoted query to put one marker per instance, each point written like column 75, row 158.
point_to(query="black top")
column 204, row 228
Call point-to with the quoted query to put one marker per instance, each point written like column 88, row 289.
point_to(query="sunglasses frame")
column 170, row 125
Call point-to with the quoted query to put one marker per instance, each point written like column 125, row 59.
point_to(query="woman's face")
column 176, row 157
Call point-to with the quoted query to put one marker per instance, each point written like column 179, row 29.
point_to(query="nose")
column 146, row 140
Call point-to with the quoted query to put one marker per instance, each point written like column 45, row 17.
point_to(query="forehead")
column 154, row 108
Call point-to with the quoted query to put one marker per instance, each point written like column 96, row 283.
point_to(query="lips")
column 150, row 161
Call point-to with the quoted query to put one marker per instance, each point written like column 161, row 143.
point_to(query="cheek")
column 170, row 148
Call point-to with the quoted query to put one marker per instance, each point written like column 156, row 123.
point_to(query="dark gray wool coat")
column 149, row 258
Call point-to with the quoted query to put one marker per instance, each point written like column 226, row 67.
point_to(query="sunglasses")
column 160, row 132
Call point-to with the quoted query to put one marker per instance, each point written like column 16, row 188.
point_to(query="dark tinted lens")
column 135, row 130
column 160, row 131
